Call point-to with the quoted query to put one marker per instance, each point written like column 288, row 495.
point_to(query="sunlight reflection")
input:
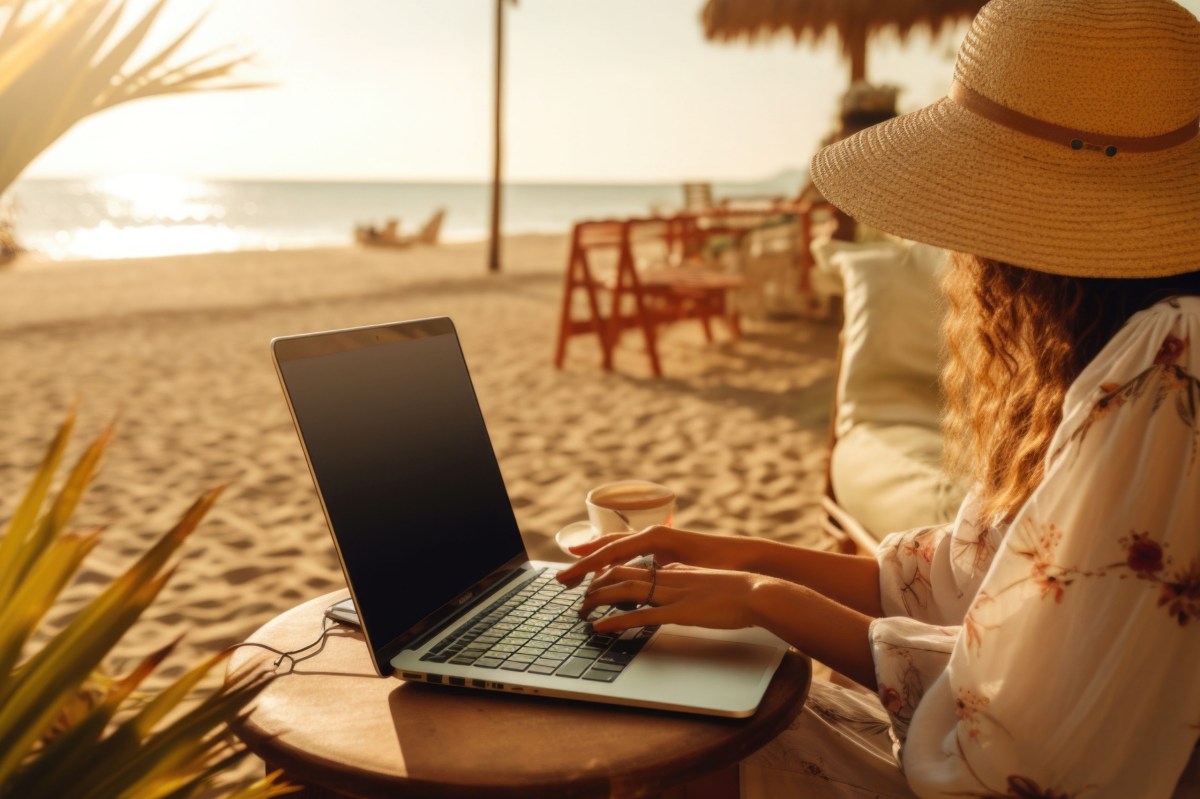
column 107, row 240
column 149, row 199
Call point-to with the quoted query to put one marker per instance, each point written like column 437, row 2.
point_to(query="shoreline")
column 34, row 259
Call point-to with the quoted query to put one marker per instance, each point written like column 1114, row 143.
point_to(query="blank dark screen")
column 407, row 472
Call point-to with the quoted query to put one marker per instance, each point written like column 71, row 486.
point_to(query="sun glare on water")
column 146, row 215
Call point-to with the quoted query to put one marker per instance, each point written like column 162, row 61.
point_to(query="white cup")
column 629, row 506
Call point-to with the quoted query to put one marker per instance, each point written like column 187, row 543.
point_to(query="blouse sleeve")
column 1073, row 673
column 927, row 577
column 931, row 573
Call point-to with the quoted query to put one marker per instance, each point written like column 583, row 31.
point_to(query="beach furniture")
column 391, row 236
column 885, row 471
column 630, row 276
column 697, row 197
column 335, row 727
column 776, row 259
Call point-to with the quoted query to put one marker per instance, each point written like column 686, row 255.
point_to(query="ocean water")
column 132, row 216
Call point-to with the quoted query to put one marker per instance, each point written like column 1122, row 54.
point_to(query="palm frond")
column 54, row 744
column 60, row 65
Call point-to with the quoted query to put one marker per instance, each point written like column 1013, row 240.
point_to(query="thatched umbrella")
column 853, row 20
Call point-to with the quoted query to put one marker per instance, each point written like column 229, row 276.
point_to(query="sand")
column 176, row 350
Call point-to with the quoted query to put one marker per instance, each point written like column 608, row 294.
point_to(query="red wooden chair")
column 643, row 298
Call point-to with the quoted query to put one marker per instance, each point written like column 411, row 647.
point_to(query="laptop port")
column 408, row 675
column 479, row 683
column 457, row 681
column 434, row 678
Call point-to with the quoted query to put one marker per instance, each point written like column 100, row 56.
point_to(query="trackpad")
column 748, row 660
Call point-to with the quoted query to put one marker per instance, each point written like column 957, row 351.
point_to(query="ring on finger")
column 653, row 584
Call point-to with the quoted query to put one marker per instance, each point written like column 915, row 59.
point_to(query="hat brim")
column 951, row 178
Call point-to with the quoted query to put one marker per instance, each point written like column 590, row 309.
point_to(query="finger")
column 588, row 547
column 642, row 617
column 618, row 551
column 634, row 591
column 618, row 574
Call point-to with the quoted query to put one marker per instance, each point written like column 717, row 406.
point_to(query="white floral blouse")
column 1059, row 657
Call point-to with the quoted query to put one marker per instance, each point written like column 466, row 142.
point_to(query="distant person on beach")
column 1047, row 642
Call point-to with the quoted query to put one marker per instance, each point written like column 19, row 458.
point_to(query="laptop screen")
column 404, row 466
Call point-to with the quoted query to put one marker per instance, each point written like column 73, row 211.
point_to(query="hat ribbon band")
column 1076, row 139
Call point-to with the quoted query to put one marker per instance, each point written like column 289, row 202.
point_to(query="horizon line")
column 783, row 173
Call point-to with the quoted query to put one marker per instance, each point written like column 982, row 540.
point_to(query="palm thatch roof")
column 852, row 20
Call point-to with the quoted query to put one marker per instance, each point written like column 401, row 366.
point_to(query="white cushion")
column 890, row 478
column 886, row 466
column 891, row 336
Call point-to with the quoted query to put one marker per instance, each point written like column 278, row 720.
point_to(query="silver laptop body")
column 408, row 480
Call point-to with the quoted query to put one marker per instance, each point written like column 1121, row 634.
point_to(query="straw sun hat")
column 1067, row 144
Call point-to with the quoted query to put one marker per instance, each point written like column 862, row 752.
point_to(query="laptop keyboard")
column 536, row 628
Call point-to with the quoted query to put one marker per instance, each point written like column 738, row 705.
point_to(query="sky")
column 596, row 90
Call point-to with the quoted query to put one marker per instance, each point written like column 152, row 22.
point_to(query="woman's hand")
column 682, row 595
column 666, row 544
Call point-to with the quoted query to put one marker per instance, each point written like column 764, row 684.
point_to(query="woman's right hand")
column 666, row 544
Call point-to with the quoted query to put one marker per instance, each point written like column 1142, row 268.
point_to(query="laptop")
column 441, row 583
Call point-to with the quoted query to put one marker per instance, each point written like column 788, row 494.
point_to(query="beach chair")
column 776, row 258
column 431, row 231
column 884, row 473
column 697, row 197
column 604, row 258
column 391, row 236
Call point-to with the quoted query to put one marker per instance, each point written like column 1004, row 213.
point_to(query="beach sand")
column 176, row 350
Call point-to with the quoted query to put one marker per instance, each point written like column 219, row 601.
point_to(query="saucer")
column 574, row 534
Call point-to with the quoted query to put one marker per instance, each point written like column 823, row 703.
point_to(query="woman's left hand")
column 682, row 595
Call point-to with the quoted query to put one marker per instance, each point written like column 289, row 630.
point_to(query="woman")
column 1047, row 642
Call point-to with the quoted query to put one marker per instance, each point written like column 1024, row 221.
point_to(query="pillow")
column 890, row 478
column 891, row 336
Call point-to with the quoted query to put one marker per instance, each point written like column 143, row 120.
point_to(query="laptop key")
column 574, row 667
column 488, row 663
column 539, row 669
column 601, row 676
column 514, row 665
column 463, row 661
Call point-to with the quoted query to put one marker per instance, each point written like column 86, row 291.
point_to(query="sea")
column 155, row 215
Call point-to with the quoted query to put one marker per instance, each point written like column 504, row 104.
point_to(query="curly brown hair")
column 1017, row 339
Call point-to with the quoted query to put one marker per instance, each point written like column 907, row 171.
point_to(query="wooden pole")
column 856, row 47
column 494, row 236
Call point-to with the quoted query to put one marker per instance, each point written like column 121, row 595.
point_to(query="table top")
column 333, row 722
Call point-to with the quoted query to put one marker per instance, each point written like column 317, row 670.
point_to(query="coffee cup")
column 629, row 506
column 620, row 507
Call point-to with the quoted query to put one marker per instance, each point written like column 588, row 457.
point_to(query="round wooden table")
column 336, row 727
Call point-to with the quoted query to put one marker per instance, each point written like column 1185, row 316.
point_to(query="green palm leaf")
column 159, row 750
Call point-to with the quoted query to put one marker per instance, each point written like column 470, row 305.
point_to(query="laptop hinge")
column 507, row 583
